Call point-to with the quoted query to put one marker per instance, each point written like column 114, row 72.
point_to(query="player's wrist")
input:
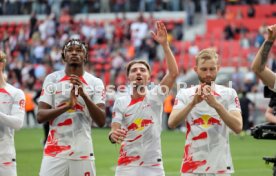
column 110, row 138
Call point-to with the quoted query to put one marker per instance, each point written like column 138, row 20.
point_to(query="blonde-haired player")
column 209, row 110
column 12, row 112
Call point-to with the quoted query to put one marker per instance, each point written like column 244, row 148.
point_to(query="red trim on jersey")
column 137, row 137
column 67, row 78
column 84, row 157
column 202, row 135
column 156, row 165
column 137, row 100
column 7, row 163
column 216, row 94
column 67, row 122
column 83, row 80
column 2, row 90
column 221, row 172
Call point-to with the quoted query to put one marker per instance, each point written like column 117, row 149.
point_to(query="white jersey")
column 12, row 112
column 70, row 133
column 207, row 148
column 142, row 118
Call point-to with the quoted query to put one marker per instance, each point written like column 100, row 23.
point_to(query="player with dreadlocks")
column 70, row 100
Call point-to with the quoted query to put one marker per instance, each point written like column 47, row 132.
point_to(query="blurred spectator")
column 249, row 79
column 270, row 113
column 259, row 39
column 139, row 30
column 203, row 8
column 246, row 105
column 30, row 106
column 272, row 61
column 238, row 80
column 193, row 49
column 244, row 41
column 104, row 6
column 168, row 105
column 33, row 24
column 190, row 11
column 229, row 32
column 251, row 11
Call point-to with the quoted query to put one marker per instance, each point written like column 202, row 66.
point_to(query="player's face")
column 138, row 74
column 75, row 54
column 207, row 70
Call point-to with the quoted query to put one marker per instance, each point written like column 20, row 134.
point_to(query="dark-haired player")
column 70, row 100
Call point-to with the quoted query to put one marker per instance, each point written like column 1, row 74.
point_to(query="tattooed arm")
column 259, row 63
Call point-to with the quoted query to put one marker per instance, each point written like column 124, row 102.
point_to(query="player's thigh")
column 152, row 171
column 82, row 168
column 139, row 171
column 51, row 166
column 8, row 169
column 126, row 171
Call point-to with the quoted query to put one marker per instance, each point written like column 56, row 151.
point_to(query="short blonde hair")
column 3, row 57
column 139, row 61
column 207, row 54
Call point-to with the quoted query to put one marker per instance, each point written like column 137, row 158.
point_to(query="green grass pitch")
column 247, row 153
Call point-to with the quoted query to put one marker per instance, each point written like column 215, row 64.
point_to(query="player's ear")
column 195, row 69
column 62, row 56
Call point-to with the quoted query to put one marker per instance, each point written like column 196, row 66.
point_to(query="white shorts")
column 140, row 171
column 188, row 174
column 52, row 166
column 8, row 169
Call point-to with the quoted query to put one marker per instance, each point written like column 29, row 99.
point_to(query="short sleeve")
column 18, row 107
column 234, row 102
column 157, row 95
column 117, row 114
column 48, row 90
column 179, row 101
column 99, row 96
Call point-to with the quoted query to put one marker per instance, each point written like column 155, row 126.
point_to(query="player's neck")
column 2, row 80
column 74, row 70
column 138, row 93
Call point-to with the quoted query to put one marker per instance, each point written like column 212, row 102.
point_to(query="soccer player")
column 12, row 112
column 209, row 110
column 137, row 117
column 260, row 61
column 71, row 100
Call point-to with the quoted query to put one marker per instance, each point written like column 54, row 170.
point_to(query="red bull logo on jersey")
column 206, row 121
column 139, row 124
column 77, row 107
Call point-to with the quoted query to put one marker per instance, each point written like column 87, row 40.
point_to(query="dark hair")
column 75, row 42
column 131, row 63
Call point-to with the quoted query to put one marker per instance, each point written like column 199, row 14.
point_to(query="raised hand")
column 208, row 95
column 161, row 33
column 73, row 98
column 77, row 86
column 198, row 95
column 271, row 32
